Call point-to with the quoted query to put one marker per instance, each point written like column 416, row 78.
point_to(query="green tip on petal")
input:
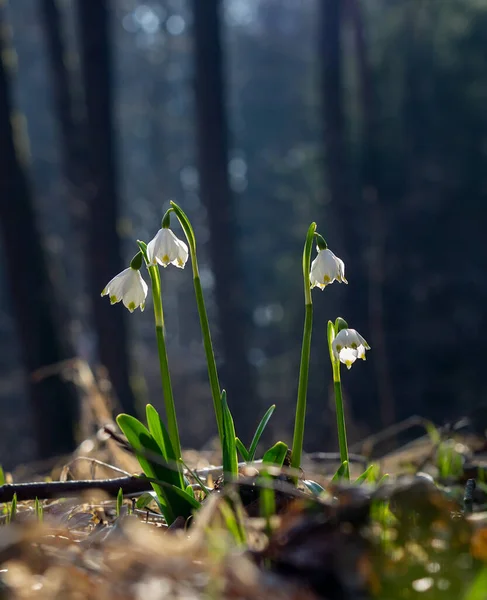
column 131, row 306
column 104, row 292
column 113, row 299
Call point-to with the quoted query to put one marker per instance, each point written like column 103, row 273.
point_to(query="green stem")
column 298, row 438
column 172, row 424
column 342, row 432
column 337, row 387
column 208, row 345
column 299, row 421
column 203, row 316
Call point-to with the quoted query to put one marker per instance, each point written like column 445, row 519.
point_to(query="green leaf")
column 370, row 475
column 433, row 433
column 119, row 502
column 276, row 454
column 267, row 500
column 341, row 471
column 229, row 450
column 190, row 499
column 157, row 430
column 145, row 499
column 198, row 480
column 39, row 511
column 156, row 468
column 13, row 508
column 244, row 453
column 2, row 476
column 232, row 521
column 259, row 431
column 161, row 436
column 477, row 589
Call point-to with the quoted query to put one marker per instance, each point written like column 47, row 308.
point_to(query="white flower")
column 129, row 287
column 167, row 249
column 325, row 268
column 349, row 345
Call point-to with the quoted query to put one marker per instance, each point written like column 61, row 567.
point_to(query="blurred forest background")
column 257, row 117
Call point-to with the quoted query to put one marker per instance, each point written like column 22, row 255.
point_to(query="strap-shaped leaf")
column 259, row 431
column 370, row 475
column 244, row 453
column 341, row 471
column 229, row 450
column 161, row 436
column 276, row 454
column 165, row 479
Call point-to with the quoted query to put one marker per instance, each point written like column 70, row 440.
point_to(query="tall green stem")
column 342, row 432
column 203, row 316
column 299, row 421
column 340, row 413
column 172, row 424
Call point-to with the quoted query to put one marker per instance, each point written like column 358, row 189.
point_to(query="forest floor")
column 419, row 533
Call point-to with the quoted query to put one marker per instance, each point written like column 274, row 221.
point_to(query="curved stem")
column 340, row 413
column 299, row 421
column 172, row 424
column 203, row 316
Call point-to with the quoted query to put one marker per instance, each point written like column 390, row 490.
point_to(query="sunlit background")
column 366, row 117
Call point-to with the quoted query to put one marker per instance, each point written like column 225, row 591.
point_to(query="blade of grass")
column 267, row 501
column 39, row 510
column 259, row 431
column 13, row 508
column 244, row 453
column 230, row 460
column 198, row 480
column 118, row 509
column 370, row 475
column 341, row 472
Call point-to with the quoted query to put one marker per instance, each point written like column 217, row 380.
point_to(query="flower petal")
column 165, row 248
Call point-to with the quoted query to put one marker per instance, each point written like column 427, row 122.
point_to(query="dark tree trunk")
column 65, row 104
column 371, row 197
column 212, row 136
column 73, row 145
column 337, row 163
column 104, row 255
column 346, row 206
column 53, row 400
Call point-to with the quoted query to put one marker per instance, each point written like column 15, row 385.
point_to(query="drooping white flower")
column 129, row 287
column 165, row 248
column 325, row 268
column 349, row 345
